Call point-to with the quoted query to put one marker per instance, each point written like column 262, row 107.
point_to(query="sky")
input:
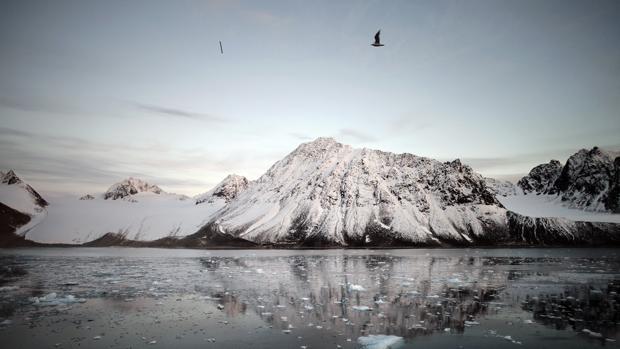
column 92, row 92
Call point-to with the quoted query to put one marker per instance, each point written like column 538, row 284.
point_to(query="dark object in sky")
column 221, row 49
column 378, row 40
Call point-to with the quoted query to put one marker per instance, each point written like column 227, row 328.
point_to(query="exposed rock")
column 541, row 178
column 128, row 187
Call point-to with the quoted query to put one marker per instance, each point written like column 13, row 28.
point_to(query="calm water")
column 465, row 298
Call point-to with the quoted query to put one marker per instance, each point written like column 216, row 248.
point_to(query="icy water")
column 436, row 298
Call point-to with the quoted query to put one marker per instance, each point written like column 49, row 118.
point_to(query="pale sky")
column 93, row 92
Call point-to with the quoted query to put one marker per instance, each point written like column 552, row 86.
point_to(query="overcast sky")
column 92, row 92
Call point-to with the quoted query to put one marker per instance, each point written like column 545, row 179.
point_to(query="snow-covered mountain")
column 589, row 180
column 23, row 208
column 128, row 187
column 325, row 192
column 226, row 190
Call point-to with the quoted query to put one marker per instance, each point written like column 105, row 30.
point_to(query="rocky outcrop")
column 541, row 178
column 589, row 180
column 128, row 187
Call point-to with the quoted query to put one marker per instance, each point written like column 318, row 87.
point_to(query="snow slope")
column 226, row 190
column 552, row 206
column 329, row 192
column 148, row 214
column 20, row 196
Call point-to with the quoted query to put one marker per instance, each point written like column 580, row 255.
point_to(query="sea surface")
column 402, row 298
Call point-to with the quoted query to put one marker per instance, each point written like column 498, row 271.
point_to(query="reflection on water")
column 407, row 293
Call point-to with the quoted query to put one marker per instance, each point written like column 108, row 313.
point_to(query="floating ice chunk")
column 260, row 271
column 220, row 306
column 380, row 341
column 361, row 307
column 97, row 338
column 353, row 287
column 528, row 321
column 153, row 342
column 51, row 299
column 471, row 323
column 592, row 333
column 308, row 307
column 286, row 331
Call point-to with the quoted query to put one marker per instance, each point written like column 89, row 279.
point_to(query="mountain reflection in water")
column 349, row 293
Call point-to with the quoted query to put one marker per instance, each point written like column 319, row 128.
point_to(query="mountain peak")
column 11, row 178
column 326, row 192
column 227, row 189
column 590, row 179
column 130, row 186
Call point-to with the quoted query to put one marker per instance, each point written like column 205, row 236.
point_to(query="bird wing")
column 377, row 39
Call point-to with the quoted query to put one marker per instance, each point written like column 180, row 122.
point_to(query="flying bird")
column 378, row 40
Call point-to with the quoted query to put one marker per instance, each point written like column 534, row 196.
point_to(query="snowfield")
column 552, row 206
column 148, row 216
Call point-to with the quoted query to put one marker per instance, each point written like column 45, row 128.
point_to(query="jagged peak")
column 130, row 186
column 10, row 177
column 228, row 189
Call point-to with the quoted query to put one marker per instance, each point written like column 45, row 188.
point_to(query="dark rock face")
column 613, row 198
column 541, row 178
column 11, row 178
column 10, row 220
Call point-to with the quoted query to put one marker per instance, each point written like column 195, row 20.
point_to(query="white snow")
column 551, row 206
column 17, row 198
column 148, row 216
column 354, row 287
column 380, row 341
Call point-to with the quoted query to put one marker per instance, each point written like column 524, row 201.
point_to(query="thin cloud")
column 357, row 135
column 77, row 165
column 300, row 136
column 39, row 104
column 176, row 112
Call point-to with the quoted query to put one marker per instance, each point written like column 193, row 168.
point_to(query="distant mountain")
column 226, row 190
column 21, row 207
column 327, row 193
column 128, row 187
column 500, row 187
column 589, row 180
